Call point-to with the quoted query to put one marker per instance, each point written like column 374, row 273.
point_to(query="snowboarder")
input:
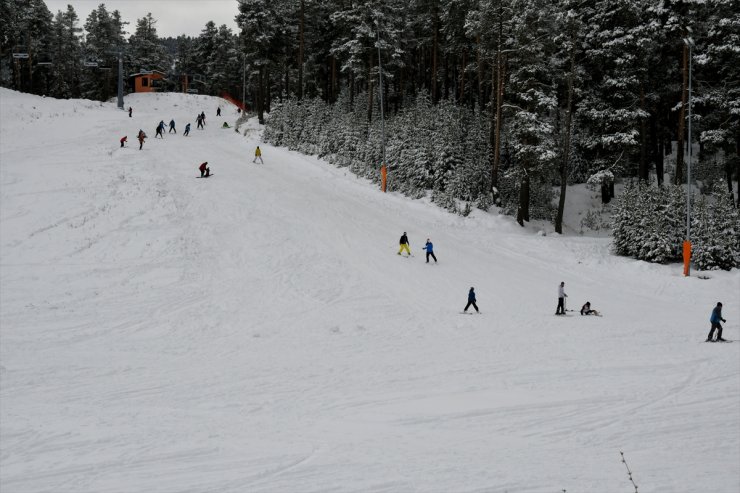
column 430, row 250
column 172, row 126
column 404, row 242
column 716, row 318
column 130, row 109
column 205, row 171
column 124, row 139
column 187, row 130
column 218, row 111
column 160, row 130
column 471, row 300
column 258, row 155
column 199, row 121
column 141, row 138
column 586, row 309
column 560, row 310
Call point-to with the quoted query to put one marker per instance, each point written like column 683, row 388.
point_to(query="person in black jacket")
column 404, row 242
column 471, row 300
column 716, row 318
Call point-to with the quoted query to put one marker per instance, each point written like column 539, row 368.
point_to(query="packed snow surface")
column 256, row 330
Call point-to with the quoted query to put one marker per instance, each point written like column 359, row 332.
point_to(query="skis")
column 205, row 176
column 471, row 313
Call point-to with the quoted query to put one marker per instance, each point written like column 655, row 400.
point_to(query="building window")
column 145, row 82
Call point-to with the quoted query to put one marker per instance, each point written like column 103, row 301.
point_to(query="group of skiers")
column 159, row 131
column 405, row 246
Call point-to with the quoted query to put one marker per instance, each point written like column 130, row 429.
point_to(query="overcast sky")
column 174, row 17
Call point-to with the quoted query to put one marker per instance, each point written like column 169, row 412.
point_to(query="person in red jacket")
column 124, row 139
column 205, row 171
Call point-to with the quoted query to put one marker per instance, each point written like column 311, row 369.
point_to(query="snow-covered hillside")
column 256, row 331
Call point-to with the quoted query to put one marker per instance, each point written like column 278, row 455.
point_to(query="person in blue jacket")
column 716, row 318
column 430, row 250
column 187, row 130
column 471, row 300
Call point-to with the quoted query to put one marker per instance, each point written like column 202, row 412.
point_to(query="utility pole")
column 244, row 83
column 687, row 243
column 383, row 169
column 120, row 78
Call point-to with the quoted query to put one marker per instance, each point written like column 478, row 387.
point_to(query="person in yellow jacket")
column 404, row 242
column 258, row 155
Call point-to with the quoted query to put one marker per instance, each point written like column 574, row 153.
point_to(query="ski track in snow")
column 256, row 331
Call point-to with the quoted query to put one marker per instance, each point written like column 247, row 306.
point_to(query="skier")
column 141, row 138
column 203, row 117
column 715, row 319
column 130, row 109
column 258, row 155
column 430, row 250
column 404, row 242
column 586, row 309
column 124, row 139
column 199, row 121
column 160, row 130
column 205, row 171
column 560, row 310
column 218, row 111
column 187, row 130
column 471, row 300
column 172, row 126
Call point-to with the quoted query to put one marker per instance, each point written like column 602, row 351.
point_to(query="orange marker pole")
column 686, row 257
column 383, row 177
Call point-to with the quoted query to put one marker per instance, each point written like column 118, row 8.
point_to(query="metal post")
column 688, row 164
column 120, row 78
column 687, row 244
column 382, row 115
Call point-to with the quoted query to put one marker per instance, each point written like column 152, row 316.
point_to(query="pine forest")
column 472, row 103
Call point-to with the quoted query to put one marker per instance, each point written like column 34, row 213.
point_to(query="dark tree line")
column 563, row 90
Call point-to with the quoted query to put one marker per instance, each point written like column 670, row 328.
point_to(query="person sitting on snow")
column 586, row 309
column 205, row 171
column 225, row 125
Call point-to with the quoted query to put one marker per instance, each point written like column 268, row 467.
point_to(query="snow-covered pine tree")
column 104, row 34
column 533, row 103
column 715, row 231
column 145, row 50
column 66, row 69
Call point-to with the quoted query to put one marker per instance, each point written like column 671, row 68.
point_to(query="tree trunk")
column 370, row 91
column 481, row 103
column 566, row 147
column 300, row 51
column 261, row 96
column 462, row 77
column 644, row 168
column 682, row 118
column 434, row 53
column 498, row 87
column 523, row 212
column 333, row 79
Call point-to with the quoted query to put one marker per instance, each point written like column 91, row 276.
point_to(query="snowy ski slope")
column 256, row 331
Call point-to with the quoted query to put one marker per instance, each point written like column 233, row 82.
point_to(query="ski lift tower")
column 20, row 52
